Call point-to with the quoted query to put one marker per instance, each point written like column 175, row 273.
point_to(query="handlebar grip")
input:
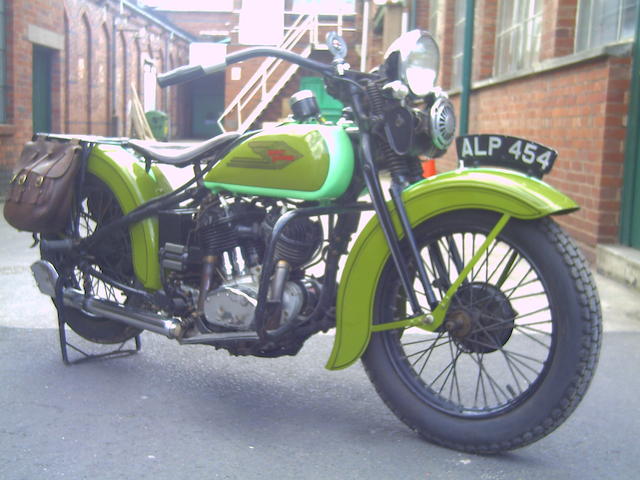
column 180, row 75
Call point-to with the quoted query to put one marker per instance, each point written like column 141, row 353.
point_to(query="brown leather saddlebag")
column 41, row 189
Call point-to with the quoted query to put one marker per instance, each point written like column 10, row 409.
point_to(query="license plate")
column 504, row 151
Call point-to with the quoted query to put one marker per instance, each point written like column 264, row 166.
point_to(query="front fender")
column 132, row 185
column 502, row 191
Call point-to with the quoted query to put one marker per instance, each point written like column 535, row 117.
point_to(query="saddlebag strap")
column 41, row 189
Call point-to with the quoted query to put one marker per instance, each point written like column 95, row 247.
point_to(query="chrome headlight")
column 414, row 58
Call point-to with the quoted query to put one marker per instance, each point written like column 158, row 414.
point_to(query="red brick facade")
column 86, row 97
column 574, row 102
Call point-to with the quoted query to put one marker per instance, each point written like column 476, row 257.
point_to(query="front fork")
column 372, row 181
column 438, row 309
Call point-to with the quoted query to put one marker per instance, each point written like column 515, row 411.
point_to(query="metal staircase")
column 303, row 36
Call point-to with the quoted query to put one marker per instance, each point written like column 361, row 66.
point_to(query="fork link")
column 208, row 269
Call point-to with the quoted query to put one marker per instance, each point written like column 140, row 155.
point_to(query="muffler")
column 46, row 277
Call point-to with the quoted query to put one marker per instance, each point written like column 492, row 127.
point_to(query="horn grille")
column 443, row 123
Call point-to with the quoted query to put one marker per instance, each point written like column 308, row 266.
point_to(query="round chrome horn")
column 442, row 123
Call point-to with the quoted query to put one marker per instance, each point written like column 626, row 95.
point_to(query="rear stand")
column 119, row 351
column 65, row 345
column 58, row 301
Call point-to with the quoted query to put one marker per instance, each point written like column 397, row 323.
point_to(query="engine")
column 213, row 257
column 232, row 305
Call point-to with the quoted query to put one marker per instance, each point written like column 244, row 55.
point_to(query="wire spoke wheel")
column 511, row 347
column 111, row 258
column 498, row 333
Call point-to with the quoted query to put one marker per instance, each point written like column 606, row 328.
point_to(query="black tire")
column 99, row 207
column 519, row 345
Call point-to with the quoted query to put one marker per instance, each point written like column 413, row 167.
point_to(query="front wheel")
column 518, row 346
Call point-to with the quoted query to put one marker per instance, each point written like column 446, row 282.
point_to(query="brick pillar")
column 485, row 21
column 558, row 28
column 446, row 44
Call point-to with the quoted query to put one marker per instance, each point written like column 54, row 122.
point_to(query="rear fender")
column 133, row 186
column 502, row 191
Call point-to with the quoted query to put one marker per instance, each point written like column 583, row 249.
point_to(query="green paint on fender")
column 497, row 190
column 133, row 186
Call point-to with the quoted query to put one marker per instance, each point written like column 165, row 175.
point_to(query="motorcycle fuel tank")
column 298, row 161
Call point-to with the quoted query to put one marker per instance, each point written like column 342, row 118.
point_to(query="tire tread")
column 589, row 353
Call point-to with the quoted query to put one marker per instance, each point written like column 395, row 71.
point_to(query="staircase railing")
column 302, row 36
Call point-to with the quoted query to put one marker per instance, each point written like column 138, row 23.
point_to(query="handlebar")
column 191, row 72
column 187, row 73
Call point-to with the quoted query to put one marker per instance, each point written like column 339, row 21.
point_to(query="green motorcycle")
column 474, row 314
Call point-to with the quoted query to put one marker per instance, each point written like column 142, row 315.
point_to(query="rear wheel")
column 112, row 259
column 518, row 346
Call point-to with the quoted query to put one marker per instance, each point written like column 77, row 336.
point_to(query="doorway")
column 41, row 86
column 207, row 104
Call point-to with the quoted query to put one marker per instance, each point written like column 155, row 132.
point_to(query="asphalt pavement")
column 177, row 412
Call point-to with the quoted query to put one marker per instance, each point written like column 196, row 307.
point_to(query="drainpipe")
column 365, row 35
column 413, row 16
column 631, row 188
column 467, row 59
column 114, row 109
column 165, row 91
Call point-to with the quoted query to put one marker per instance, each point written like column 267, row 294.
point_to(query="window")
column 458, row 43
column 3, row 73
column 604, row 21
column 517, row 35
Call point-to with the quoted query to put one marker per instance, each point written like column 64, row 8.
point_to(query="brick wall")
column 86, row 97
column 566, row 110
column 579, row 109
column 577, row 106
column 558, row 29
column 19, row 17
column 91, row 34
column 485, row 20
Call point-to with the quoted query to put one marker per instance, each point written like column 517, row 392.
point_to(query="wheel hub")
column 480, row 319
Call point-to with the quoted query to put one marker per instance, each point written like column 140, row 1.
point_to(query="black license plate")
column 504, row 151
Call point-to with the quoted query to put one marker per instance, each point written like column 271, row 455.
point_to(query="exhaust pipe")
column 169, row 327
column 46, row 278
